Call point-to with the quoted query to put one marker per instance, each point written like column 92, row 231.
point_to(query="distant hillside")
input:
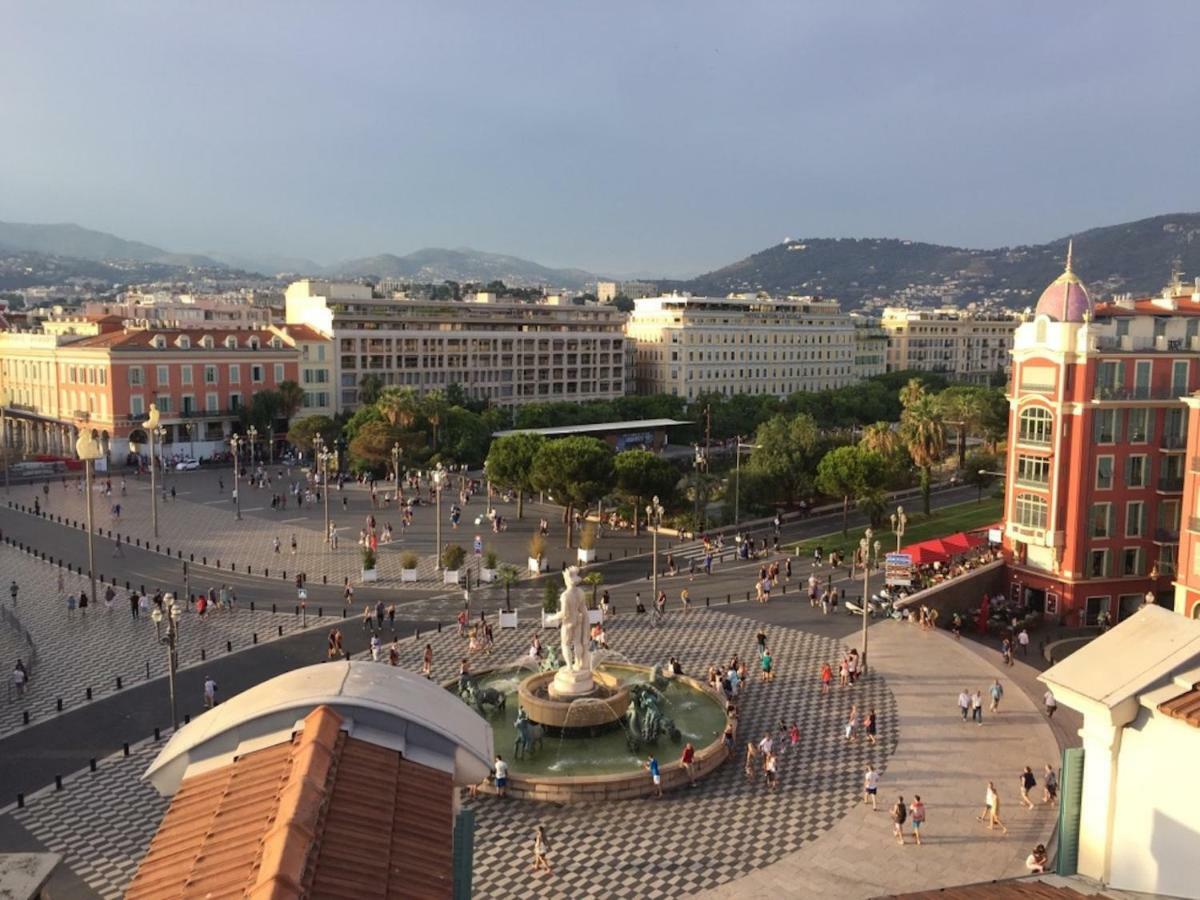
column 72, row 241
column 1137, row 257
column 462, row 264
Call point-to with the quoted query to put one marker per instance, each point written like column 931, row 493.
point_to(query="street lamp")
column 322, row 455
column 396, row 469
column 488, row 480
column 698, row 460
column 864, row 547
column 899, row 521
column 737, row 476
column 4, row 432
column 439, row 476
column 235, row 441
column 152, row 430
column 654, row 514
column 88, row 449
column 169, row 641
column 252, row 433
column 979, row 481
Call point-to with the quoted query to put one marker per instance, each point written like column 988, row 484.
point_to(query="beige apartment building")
column 870, row 347
column 505, row 352
column 965, row 346
column 687, row 346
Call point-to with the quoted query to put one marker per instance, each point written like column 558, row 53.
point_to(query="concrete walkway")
column 946, row 761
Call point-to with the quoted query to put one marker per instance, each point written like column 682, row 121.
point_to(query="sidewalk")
column 946, row 761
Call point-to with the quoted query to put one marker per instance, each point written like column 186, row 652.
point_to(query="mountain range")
column 1136, row 257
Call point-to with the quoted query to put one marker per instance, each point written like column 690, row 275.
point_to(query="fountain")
column 602, row 716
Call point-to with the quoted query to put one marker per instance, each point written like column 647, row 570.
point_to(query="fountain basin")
column 610, row 696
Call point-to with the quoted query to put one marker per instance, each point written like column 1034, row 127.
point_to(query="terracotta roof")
column 143, row 338
column 304, row 333
column 1014, row 889
column 1186, row 706
column 322, row 815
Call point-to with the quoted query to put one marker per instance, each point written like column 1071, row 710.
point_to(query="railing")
column 1173, row 441
column 1145, row 392
column 1032, row 440
column 1166, row 536
column 1042, row 485
column 1170, row 483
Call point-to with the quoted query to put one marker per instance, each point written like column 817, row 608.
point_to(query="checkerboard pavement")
column 690, row 840
column 92, row 649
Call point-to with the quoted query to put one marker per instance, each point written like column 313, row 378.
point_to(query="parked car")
column 187, row 463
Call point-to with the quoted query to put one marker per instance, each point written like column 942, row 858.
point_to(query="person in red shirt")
column 687, row 760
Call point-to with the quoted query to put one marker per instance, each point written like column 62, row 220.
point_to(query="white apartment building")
column 965, row 346
column 688, row 346
column 870, row 347
column 505, row 352
column 232, row 309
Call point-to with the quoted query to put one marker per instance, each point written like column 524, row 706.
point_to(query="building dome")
column 1066, row 299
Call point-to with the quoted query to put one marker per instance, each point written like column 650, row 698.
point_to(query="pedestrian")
column 899, row 816
column 83, row 603
column 964, row 703
column 687, row 760
column 394, row 653
column 917, row 810
column 1028, row 783
column 20, row 677
column 869, row 726
column 376, row 647
column 761, row 640
column 1050, row 702
column 870, row 786
column 133, row 604
column 71, row 606
column 852, row 724
column 293, row 543
column 651, row 766
column 1037, row 861
column 1049, row 785
column 210, row 692
column 275, row 543
column 826, row 677
column 1023, row 641
column 977, row 707
column 993, row 809
column 1006, row 651
column 771, row 771
column 794, row 737
column 685, row 599
column 501, row 769
column 767, row 662
column 996, row 691
column 541, row 850
column 13, row 589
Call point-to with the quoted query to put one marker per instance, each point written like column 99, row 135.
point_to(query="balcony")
column 1108, row 392
column 1170, row 484
column 1043, row 485
column 1033, row 440
column 1166, row 536
column 1173, row 441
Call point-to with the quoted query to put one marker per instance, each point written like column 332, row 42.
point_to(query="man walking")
column 977, row 707
column 870, row 786
column 964, row 703
column 210, row 692
column 899, row 815
column 917, row 810
column 996, row 691
column 1051, row 703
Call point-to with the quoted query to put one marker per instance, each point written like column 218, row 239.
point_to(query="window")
column 210, row 374
column 1104, row 426
column 1109, row 380
column 183, row 342
column 1104, row 473
column 210, row 402
column 1196, row 558
column 189, row 404
column 1102, row 520
column 1035, row 427
column 206, row 342
column 320, row 353
column 1141, row 379
column 185, row 375
column 163, row 404
column 231, row 342
column 1031, row 511
column 1033, row 469
column 1131, row 561
column 162, row 375
column 256, row 374
column 1137, row 425
column 1179, row 377
column 1135, row 471
column 1135, row 518
column 235, row 374
column 135, row 375
column 235, row 401
column 278, row 372
column 137, row 406
column 1098, row 564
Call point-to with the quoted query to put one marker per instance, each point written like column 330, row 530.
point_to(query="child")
column 826, row 677
column 541, row 850
column 794, row 736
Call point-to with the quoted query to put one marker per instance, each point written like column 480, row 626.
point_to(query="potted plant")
column 537, row 554
column 549, row 601
column 508, row 576
column 369, row 572
column 408, row 566
column 595, row 614
column 587, row 544
column 487, row 572
column 452, row 560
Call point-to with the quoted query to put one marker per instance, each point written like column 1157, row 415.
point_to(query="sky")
column 621, row 137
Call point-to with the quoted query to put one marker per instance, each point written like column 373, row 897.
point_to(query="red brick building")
column 1097, row 453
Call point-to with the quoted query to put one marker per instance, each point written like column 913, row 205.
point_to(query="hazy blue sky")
column 672, row 137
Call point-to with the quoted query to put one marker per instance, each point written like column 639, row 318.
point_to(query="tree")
column 882, row 438
column 642, row 474
column 302, row 431
column 787, row 454
column 980, row 466
column 291, row 397
column 576, row 471
column 400, row 406
column 508, row 575
column 924, row 433
column 434, row 407
column 369, row 388
column 510, row 464
column 372, row 444
column 262, row 412
column 464, row 437
column 839, row 474
column 594, row 579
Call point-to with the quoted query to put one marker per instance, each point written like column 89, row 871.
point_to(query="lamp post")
column 88, row 449
column 439, row 476
column 4, row 433
column 252, row 433
column 152, row 430
column 865, row 547
column 654, row 514
column 488, row 481
column 899, row 521
column 979, row 481
column 270, row 445
column 235, row 441
column 698, row 460
column 170, row 641
column 396, row 469
column 322, row 456
column 737, row 476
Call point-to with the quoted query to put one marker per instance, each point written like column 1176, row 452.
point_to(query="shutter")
column 1070, row 796
column 464, row 853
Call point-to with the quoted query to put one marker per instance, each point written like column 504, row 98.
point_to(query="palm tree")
column 881, row 438
column 434, row 407
column 400, row 406
column 508, row 575
column 595, row 579
column 925, row 434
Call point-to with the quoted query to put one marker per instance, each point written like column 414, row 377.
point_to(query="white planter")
column 451, row 576
column 369, row 575
column 545, row 616
column 508, row 619
column 595, row 616
column 586, row 556
column 487, row 575
column 537, row 566
column 408, row 574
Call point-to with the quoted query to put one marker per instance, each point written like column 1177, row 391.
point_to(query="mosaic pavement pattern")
column 694, row 839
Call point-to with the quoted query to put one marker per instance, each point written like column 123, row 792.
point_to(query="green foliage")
column 264, row 409
column 978, row 467
column 453, row 556
column 490, row 558
column 361, row 417
column 510, row 464
column 409, row 560
column 587, row 537
column 291, row 397
column 465, row 438
column 594, row 579
column 302, row 431
column 641, row 475
column 369, row 388
column 368, row 558
column 537, row 545
column 853, row 472
column 577, row 471
column 549, row 597
column 789, row 448
column 924, row 432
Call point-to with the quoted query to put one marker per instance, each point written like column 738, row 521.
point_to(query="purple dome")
column 1066, row 299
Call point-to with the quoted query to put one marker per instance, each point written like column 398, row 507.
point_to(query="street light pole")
column 171, row 642
column 865, row 550
column 439, row 475
column 396, row 470
column 252, row 432
column 236, row 442
column 152, row 429
column 654, row 513
column 87, row 448
column 899, row 521
column 4, row 433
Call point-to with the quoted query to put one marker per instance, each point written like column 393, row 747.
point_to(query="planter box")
column 538, row 566
column 451, row 576
column 595, row 616
column 508, row 619
column 408, row 574
column 487, row 575
column 586, row 556
column 545, row 616
column 368, row 574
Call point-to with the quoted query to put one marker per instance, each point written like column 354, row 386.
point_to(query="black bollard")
column 125, row 748
column 254, row 637
column 92, row 764
column 58, row 782
column 118, row 682
column 187, row 719
column 251, row 606
column 157, row 734
column 89, row 693
column 324, row 579
column 320, row 612
column 147, row 670
column 706, row 601
column 272, row 607
column 203, row 655
column 229, row 646
column 280, row 629
column 59, row 704
column 25, row 717
column 20, row 801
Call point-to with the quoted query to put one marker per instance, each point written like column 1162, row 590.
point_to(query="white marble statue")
column 575, row 677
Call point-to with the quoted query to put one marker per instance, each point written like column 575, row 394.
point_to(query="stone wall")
column 961, row 595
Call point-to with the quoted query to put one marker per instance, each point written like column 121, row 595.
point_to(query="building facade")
column 870, row 347
column 965, row 346
column 1097, row 451
column 503, row 352
column 688, row 346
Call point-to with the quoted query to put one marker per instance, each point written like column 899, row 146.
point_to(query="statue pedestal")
column 568, row 683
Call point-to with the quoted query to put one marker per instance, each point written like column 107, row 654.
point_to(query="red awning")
column 927, row 552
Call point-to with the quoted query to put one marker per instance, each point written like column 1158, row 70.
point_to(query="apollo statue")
column 575, row 677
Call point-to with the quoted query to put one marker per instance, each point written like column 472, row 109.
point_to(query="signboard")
column 897, row 569
column 995, row 536
column 478, row 545
column 302, row 594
